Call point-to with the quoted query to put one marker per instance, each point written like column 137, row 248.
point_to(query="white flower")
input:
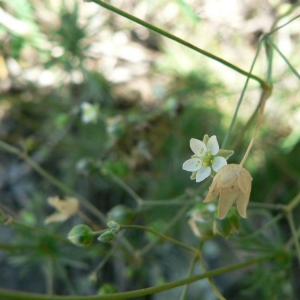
column 206, row 160
column 89, row 112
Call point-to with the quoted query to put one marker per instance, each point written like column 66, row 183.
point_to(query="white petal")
column 191, row 165
column 218, row 163
column 198, row 147
column 212, row 145
column 203, row 173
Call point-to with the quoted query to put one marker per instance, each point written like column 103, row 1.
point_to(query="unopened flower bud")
column 114, row 227
column 106, row 236
column 81, row 235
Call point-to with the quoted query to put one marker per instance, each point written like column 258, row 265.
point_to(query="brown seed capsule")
column 232, row 183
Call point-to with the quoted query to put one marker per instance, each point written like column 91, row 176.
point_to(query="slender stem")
column 177, row 217
column 127, row 188
column 210, row 281
column 267, row 205
column 241, row 96
column 284, row 58
column 294, row 202
column 48, row 270
column 273, row 29
column 163, row 236
column 178, row 40
column 265, row 95
column 7, row 294
column 263, row 228
column 294, row 234
column 169, row 202
column 191, row 270
column 291, row 240
column 39, row 230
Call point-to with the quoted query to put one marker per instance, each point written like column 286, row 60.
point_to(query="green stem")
column 294, row 234
column 178, row 40
column 191, row 270
column 294, row 202
column 163, row 236
column 270, row 42
column 266, row 205
column 241, row 97
column 12, row 295
column 39, row 230
column 210, row 281
column 263, row 228
column 169, row 202
column 177, row 217
column 127, row 188
column 273, row 29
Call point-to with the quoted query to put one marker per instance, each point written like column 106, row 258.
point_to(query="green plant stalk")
column 290, row 241
column 49, row 274
column 163, row 236
column 294, row 234
column 12, row 295
column 139, row 201
column 294, row 202
column 169, row 202
column 270, row 42
column 210, row 281
column 263, row 228
column 179, row 40
column 186, row 287
column 40, row 230
column 269, row 52
column 177, row 217
column 241, row 97
column 273, row 29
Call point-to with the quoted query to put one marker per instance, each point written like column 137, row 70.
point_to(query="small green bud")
column 81, row 235
column 107, row 289
column 227, row 226
column 114, row 226
column 106, row 236
column 122, row 214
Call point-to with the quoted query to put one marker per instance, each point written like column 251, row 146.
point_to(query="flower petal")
column 191, row 165
column 213, row 192
column 218, row 163
column 225, row 202
column 213, row 145
column 56, row 217
column 242, row 203
column 203, row 173
column 244, row 181
column 198, row 147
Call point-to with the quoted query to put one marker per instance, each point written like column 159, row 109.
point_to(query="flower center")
column 207, row 159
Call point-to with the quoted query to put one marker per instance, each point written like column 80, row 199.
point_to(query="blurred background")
column 100, row 102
